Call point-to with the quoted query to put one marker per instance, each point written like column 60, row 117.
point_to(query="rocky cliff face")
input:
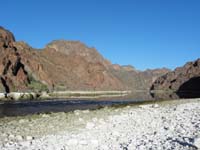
column 186, row 78
column 75, row 68
column 65, row 65
column 12, row 71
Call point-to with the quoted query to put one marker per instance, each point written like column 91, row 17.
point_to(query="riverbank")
column 162, row 125
column 20, row 96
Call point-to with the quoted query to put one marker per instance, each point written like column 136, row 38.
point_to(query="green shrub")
column 36, row 85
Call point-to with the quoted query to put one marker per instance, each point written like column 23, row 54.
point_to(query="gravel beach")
column 158, row 126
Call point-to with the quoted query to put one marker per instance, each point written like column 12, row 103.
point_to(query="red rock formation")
column 13, row 74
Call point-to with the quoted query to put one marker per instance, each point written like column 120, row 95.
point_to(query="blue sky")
column 143, row 33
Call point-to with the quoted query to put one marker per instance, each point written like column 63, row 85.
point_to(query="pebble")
column 19, row 138
column 22, row 121
column 85, row 111
column 90, row 125
column 94, row 119
column 197, row 143
column 72, row 142
column 83, row 142
column 94, row 142
column 25, row 143
column 80, row 119
column 29, row 138
column 104, row 147
column 11, row 136
column 45, row 115
column 116, row 133
column 155, row 106
column 77, row 112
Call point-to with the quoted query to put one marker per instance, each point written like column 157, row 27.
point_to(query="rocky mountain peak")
column 6, row 38
column 77, row 48
column 129, row 68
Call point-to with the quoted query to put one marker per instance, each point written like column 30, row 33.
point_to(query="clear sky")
column 143, row 33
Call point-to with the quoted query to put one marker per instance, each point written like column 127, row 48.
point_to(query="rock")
column 182, row 79
column 85, row 111
column 197, row 143
column 45, row 115
column 11, row 136
column 94, row 119
column 77, row 113
column 15, row 95
column 104, row 147
column 22, row 121
column 102, row 121
column 13, row 74
column 72, row 142
column 155, row 106
column 144, row 106
column 83, row 142
column 94, row 143
column 44, row 94
column 90, row 125
column 116, row 133
column 2, row 96
column 29, row 138
column 80, row 119
column 25, row 144
column 6, row 38
column 19, row 138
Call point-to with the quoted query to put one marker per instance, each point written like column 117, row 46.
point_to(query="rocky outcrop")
column 6, row 38
column 182, row 79
column 13, row 73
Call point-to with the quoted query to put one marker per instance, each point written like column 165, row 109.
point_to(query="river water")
column 62, row 105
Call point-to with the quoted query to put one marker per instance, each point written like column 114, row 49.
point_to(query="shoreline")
column 162, row 125
column 21, row 96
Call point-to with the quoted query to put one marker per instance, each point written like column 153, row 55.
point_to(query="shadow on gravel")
column 185, row 144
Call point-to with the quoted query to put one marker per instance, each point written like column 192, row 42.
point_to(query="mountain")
column 135, row 79
column 182, row 79
column 65, row 65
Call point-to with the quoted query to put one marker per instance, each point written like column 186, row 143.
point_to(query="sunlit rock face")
column 13, row 74
column 6, row 38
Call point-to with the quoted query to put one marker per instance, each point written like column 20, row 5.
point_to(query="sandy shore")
column 164, row 125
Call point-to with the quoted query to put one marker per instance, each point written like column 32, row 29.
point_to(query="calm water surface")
column 48, row 106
